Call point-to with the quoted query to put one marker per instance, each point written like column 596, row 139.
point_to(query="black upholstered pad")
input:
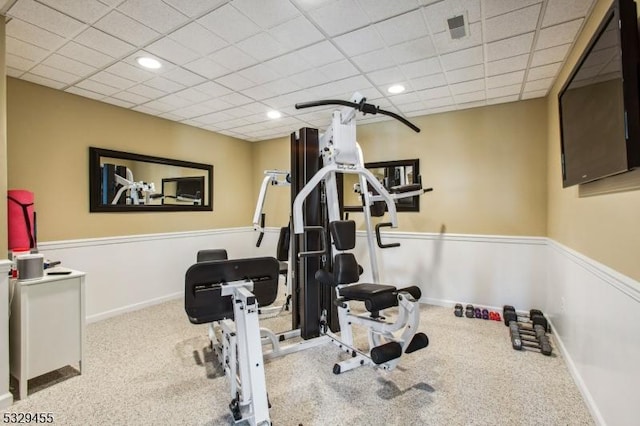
column 365, row 291
column 343, row 233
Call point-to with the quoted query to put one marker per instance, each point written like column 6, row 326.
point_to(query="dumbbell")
column 457, row 311
column 535, row 317
column 520, row 341
column 469, row 311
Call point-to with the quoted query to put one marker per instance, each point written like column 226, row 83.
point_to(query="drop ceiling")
column 227, row 63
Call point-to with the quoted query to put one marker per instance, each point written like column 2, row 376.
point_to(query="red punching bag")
column 21, row 220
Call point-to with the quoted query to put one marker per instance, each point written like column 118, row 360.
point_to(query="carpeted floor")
column 154, row 367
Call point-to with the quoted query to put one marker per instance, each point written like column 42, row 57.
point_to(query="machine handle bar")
column 362, row 106
column 323, row 247
column 379, row 237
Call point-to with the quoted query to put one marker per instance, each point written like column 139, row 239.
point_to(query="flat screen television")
column 599, row 103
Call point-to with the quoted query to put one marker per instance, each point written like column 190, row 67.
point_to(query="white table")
column 46, row 326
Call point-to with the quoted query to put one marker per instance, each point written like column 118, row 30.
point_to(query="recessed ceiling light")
column 274, row 114
column 396, row 88
column 148, row 62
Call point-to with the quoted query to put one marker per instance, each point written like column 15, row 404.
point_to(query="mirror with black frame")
column 126, row 182
column 392, row 175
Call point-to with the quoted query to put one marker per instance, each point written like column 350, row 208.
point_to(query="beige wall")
column 603, row 227
column 487, row 167
column 48, row 136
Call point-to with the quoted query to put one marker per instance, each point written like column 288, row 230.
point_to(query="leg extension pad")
column 387, row 352
column 419, row 341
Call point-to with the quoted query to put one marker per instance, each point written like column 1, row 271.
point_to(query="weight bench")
column 229, row 292
column 385, row 348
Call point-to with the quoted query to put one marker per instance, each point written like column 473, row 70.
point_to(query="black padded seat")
column 365, row 291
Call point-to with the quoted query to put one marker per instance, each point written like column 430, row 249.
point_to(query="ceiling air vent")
column 457, row 27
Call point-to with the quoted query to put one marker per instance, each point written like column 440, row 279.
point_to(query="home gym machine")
column 230, row 292
column 324, row 282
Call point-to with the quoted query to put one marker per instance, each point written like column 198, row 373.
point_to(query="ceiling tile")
column 262, row 46
column 506, row 65
column 505, row 79
column 376, row 60
column 192, row 111
column 379, row 10
column 85, row 54
column 216, row 104
column 267, row 13
column 561, row 11
column 558, row 34
column 360, row 41
column 84, row 93
column 215, row 117
column 43, row 81
column 19, row 63
column 513, row 23
column 467, row 87
column 146, row 91
column 212, row 89
column 26, row 32
column 438, row 13
column 435, row 93
column 126, row 28
column 428, row 82
column 164, row 84
column 87, row 11
column 281, row 87
column 146, row 110
column 69, row 65
column 465, row 74
column 229, row 24
column 386, row 76
column 503, row 99
column 104, row 43
column 117, row 102
column 310, row 78
column 25, row 50
column 236, row 99
column 445, row 44
column 550, row 55
column 54, row 74
column 339, row 17
column 198, row 38
column 46, row 18
column 235, row 82
column 131, row 97
column 535, row 85
column 534, row 94
column 194, row 8
column 320, row 54
column 207, row 68
column 172, row 51
column 497, row 92
column 233, row 58
column 289, row 64
column 469, row 97
column 192, row 95
column 414, row 50
column 492, row 8
column 97, row 87
column 412, row 24
column 339, row 70
column 259, row 74
column 154, row 14
column 258, row 93
column 439, row 102
column 184, row 77
column 509, row 47
column 544, row 71
column 159, row 106
column 405, row 98
column 462, row 58
column 130, row 72
column 421, row 68
column 296, row 33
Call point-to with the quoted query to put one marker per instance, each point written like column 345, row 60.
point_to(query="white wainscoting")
column 595, row 315
column 129, row 273
column 595, row 311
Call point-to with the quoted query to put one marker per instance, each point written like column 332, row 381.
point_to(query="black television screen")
column 599, row 113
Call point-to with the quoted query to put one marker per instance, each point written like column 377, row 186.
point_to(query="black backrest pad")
column 284, row 239
column 343, row 233
column 345, row 268
column 202, row 300
column 211, row 254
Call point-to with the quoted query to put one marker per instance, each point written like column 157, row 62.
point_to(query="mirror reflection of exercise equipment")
column 323, row 274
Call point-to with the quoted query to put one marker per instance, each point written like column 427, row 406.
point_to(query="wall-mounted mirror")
column 391, row 174
column 126, row 182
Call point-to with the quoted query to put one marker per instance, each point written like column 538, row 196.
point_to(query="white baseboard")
column 6, row 400
column 133, row 307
